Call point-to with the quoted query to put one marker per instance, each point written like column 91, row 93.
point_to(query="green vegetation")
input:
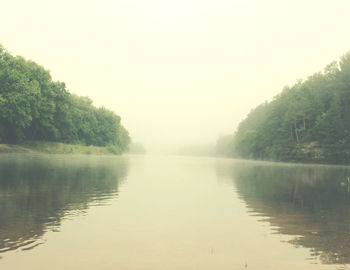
column 11, row 148
column 308, row 122
column 35, row 108
column 58, row 148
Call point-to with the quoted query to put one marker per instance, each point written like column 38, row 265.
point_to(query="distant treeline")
column 308, row 122
column 34, row 107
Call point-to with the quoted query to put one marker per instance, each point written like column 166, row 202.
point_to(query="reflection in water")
column 37, row 193
column 310, row 203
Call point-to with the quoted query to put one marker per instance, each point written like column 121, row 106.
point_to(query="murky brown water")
column 146, row 212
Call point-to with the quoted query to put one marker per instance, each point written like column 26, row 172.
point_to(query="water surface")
column 148, row 212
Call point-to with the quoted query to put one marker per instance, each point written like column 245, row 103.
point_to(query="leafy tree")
column 34, row 107
column 309, row 121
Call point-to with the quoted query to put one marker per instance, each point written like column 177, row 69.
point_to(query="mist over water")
column 179, row 73
column 175, row 76
column 144, row 212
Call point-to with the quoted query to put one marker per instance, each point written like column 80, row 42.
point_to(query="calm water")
column 135, row 212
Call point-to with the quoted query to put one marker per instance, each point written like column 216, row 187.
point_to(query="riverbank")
column 58, row 148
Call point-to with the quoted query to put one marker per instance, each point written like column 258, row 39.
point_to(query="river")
column 169, row 212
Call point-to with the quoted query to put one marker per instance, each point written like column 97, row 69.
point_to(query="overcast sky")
column 178, row 72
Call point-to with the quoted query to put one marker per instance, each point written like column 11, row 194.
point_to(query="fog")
column 179, row 73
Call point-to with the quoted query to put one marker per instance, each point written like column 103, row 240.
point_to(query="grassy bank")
column 58, row 148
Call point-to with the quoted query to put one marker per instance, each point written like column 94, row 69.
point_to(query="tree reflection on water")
column 37, row 192
column 310, row 203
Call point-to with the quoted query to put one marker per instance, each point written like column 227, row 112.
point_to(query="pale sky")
column 178, row 72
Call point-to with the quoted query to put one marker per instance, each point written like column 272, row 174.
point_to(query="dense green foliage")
column 309, row 121
column 34, row 107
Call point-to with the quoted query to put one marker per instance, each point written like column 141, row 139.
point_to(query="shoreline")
column 37, row 147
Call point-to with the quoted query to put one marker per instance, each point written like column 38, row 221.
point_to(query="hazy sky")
column 178, row 72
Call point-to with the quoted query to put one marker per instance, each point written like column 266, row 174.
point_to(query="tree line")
column 34, row 107
column 309, row 121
